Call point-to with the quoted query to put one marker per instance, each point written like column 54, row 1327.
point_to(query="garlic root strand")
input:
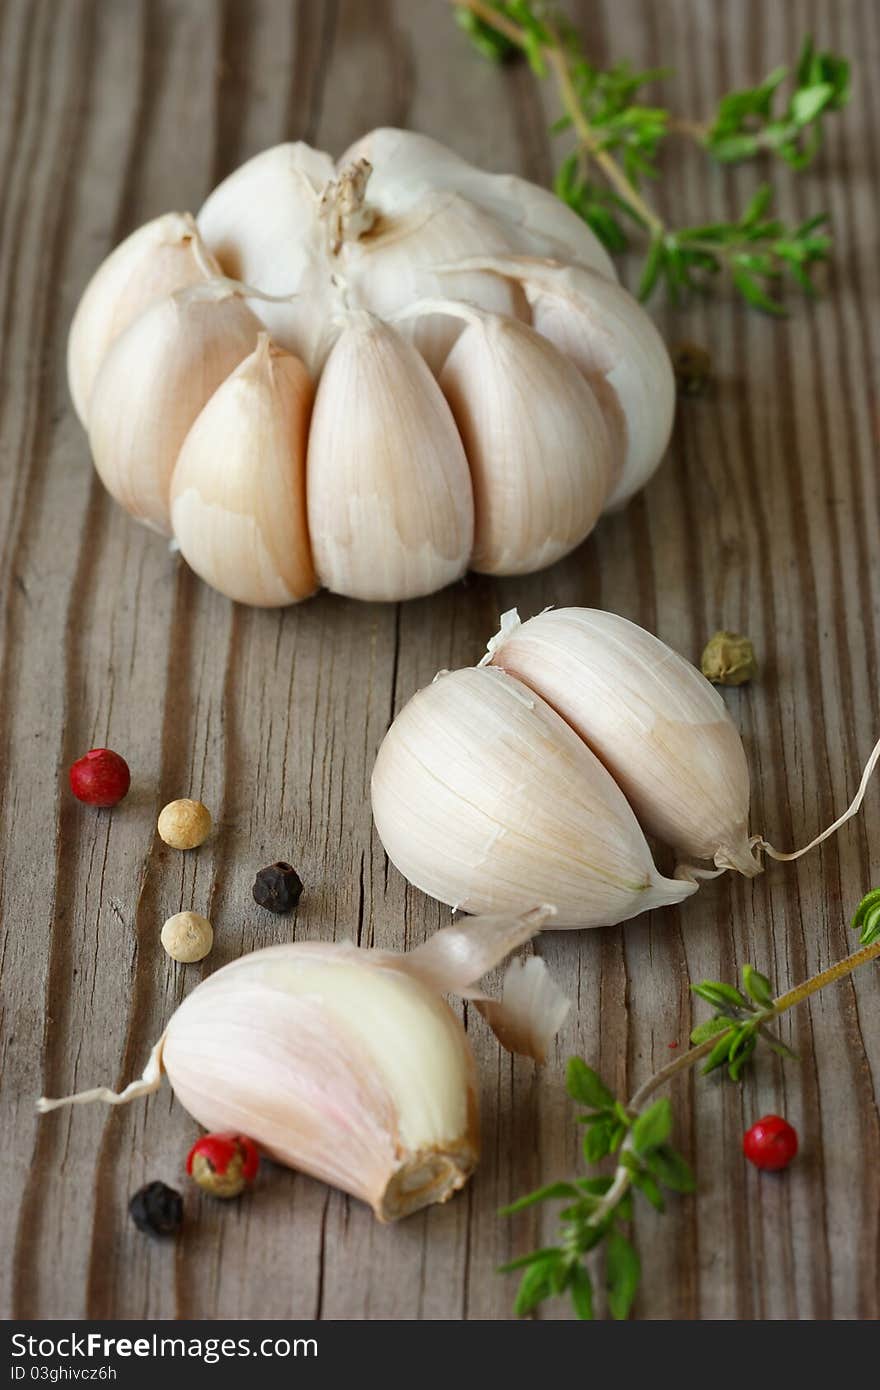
column 850, row 811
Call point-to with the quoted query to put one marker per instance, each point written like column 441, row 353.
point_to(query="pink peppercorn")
column 100, row 778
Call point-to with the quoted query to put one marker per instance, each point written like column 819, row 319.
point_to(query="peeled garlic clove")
column 389, row 496
column 238, row 492
column 395, row 265
column 163, row 256
column 344, row 1063
column 486, row 799
column 659, row 727
column 615, row 345
column 156, row 379
column 406, row 166
column 539, row 452
column 263, row 225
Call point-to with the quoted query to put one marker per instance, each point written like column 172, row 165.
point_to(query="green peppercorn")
column 693, row 369
column 278, row 887
column 157, row 1209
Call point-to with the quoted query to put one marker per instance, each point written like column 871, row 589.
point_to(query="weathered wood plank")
column 766, row 517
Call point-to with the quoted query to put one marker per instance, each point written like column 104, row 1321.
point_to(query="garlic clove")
column 407, row 166
column 539, row 452
column 486, row 799
column 165, row 255
column 340, row 1061
column 615, row 345
column 238, row 491
column 659, row 727
column 394, row 265
column 360, row 1076
column 156, row 379
column 389, row 498
column 263, row 225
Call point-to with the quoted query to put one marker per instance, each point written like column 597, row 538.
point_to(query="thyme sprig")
column 599, row 1207
column 618, row 137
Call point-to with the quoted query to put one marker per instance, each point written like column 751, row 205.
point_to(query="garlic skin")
column 346, row 1063
column 163, row 256
column 238, row 491
column 484, row 798
column 155, row 380
column 395, row 266
column 389, row 496
column 658, row 726
column 406, row 165
column 262, row 224
column 540, row 457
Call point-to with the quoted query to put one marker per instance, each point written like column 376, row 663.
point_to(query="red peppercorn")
column 771, row 1143
column 223, row 1164
column 100, row 778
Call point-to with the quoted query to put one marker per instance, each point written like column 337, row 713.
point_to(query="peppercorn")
column 157, row 1209
column 771, row 1143
column 184, row 824
column 100, row 778
column 223, row 1164
column 187, row 937
column 278, row 887
column 729, row 659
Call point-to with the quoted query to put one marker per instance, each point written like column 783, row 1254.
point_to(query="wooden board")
column 765, row 518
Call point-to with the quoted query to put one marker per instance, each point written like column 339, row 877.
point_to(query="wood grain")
column 766, row 518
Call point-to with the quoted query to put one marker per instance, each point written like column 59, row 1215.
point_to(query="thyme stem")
column 558, row 61
column 623, row 1177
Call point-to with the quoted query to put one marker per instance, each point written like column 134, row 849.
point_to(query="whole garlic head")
column 483, row 388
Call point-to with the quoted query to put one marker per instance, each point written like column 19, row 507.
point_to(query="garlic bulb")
column 494, row 365
column 662, row 731
column 660, row 728
column 486, row 799
column 346, row 1063
column 238, row 494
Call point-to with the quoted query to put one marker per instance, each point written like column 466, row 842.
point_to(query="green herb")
column 618, row 139
column 598, row 1208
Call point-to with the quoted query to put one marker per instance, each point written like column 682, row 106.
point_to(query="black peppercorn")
column 278, row 887
column 157, row 1209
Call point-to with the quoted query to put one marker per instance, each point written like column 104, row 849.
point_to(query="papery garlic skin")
column 540, row 456
column 389, row 495
column 155, row 380
column 159, row 258
column 361, row 1076
column 394, row 267
column 262, row 223
column 660, row 728
column 238, row 491
column 486, row 799
column 406, row 165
